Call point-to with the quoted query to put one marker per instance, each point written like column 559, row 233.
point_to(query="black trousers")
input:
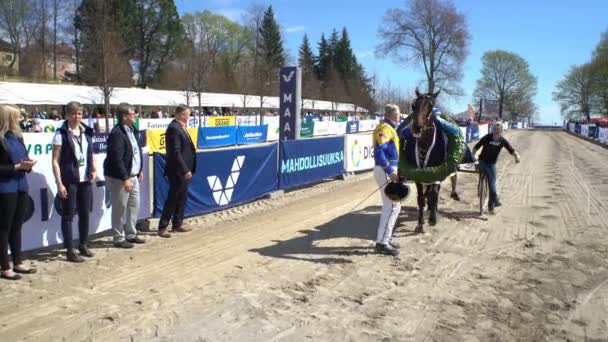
column 176, row 202
column 12, row 212
column 80, row 200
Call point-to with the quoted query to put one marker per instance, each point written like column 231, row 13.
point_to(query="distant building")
column 66, row 66
column 6, row 56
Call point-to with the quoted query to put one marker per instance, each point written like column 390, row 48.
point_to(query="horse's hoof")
column 419, row 230
column 433, row 222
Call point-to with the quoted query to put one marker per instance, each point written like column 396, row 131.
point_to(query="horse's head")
column 422, row 108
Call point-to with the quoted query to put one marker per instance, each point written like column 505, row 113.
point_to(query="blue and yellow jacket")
column 386, row 146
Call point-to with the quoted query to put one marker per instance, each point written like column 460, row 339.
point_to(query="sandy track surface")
column 302, row 267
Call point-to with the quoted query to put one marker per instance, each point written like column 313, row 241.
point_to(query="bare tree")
column 13, row 21
column 253, row 22
column 431, row 32
column 506, row 77
column 105, row 57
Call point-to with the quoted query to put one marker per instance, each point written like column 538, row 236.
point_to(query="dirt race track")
column 302, row 268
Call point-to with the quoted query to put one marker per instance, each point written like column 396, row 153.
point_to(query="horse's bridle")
column 431, row 103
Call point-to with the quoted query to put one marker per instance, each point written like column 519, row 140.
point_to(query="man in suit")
column 181, row 166
column 123, row 170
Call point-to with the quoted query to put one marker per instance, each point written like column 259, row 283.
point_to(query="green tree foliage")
column 152, row 29
column 574, row 93
column 506, row 77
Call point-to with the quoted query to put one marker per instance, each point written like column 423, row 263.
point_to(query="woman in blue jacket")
column 14, row 163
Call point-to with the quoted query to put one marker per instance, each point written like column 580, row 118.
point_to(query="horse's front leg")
column 421, row 203
column 433, row 203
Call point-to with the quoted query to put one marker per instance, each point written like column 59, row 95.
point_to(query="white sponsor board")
column 321, row 128
column 483, row 130
column 337, row 127
column 249, row 120
column 42, row 226
column 273, row 127
column 359, row 152
column 368, row 125
column 571, row 127
column 603, row 135
column 463, row 131
column 585, row 131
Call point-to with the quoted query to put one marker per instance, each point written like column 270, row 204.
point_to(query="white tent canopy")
column 60, row 94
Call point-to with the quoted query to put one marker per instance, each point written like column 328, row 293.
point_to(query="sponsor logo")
column 222, row 193
column 311, row 162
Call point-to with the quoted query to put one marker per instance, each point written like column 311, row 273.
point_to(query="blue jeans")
column 489, row 169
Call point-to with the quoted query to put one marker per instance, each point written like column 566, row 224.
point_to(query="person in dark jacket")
column 181, row 166
column 74, row 170
column 14, row 163
column 491, row 145
column 123, row 170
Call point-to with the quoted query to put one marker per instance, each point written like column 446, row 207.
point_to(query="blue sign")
column 223, row 179
column 352, row 127
column 289, row 102
column 475, row 133
column 210, row 137
column 251, row 134
column 308, row 161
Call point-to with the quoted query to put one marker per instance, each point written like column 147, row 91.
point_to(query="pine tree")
column 271, row 44
column 306, row 58
column 323, row 61
column 344, row 59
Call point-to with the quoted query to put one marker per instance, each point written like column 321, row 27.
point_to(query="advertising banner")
column 251, row 134
column 337, row 127
column 223, row 178
column 42, row 226
column 247, row 120
column 483, row 130
column 211, row 137
column 585, row 130
column 321, row 128
column 367, row 125
column 603, row 135
column 311, row 160
column 307, row 129
column 359, row 152
column 155, row 139
column 221, row 121
column 352, row 127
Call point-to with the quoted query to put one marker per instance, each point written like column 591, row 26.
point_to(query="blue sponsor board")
column 251, row 134
column 352, row 127
column 223, row 178
column 308, row 161
column 210, row 137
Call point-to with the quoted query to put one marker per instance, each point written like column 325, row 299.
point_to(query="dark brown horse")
column 424, row 131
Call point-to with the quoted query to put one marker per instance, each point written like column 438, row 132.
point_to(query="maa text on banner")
column 311, row 160
column 359, row 152
column 223, row 178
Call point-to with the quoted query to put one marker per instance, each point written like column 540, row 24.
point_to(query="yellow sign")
column 155, row 139
column 216, row 121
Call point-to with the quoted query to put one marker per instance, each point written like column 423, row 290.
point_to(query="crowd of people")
column 75, row 170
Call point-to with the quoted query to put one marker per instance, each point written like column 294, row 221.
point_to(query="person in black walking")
column 14, row 201
column 181, row 166
column 74, row 170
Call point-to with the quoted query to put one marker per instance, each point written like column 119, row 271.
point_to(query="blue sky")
column 551, row 35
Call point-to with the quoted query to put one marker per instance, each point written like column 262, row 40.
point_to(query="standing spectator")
column 74, row 170
column 14, row 163
column 36, row 127
column 181, row 166
column 123, row 170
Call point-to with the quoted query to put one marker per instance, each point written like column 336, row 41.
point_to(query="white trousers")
column 390, row 209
